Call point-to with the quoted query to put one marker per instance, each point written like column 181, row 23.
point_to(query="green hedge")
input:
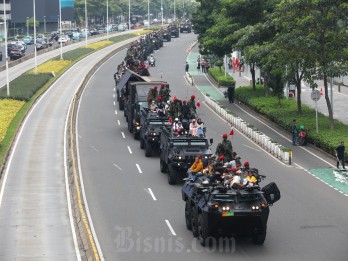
column 326, row 139
column 218, row 74
column 75, row 54
column 23, row 87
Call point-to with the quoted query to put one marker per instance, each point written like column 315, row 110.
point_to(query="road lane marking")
column 139, row 169
column 115, row 112
column 123, row 135
column 170, row 228
column 117, row 166
column 114, row 89
column 129, row 149
column 114, row 103
column 152, row 195
column 94, row 148
column 250, row 147
column 118, row 122
column 113, row 96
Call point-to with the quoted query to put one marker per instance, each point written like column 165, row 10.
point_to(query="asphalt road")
column 137, row 215
column 35, row 218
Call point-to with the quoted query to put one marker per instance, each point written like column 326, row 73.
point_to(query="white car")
column 63, row 39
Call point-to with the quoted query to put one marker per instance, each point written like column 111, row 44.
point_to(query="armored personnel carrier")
column 215, row 210
column 151, row 124
column 178, row 152
column 185, row 27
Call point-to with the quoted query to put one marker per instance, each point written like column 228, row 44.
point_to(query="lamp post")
column 162, row 10
column 6, row 54
column 35, row 52
column 44, row 24
column 148, row 13
column 174, row 11
column 60, row 30
column 27, row 26
column 129, row 18
column 86, row 22
column 107, row 19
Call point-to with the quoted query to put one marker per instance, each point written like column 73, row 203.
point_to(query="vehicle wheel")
column 130, row 126
column 136, row 135
column 301, row 141
column 163, row 166
column 203, row 232
column 259, row 238
column 148, row 149
column 118, row 96
column 188, row 215
column 142, row 143
column 194, row 222
column 120, row 105
column 172, row 179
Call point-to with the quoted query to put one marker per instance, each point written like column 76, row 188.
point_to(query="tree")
column 30, row 22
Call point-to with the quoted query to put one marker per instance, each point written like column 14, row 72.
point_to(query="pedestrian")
column 198, row 65
column 203, row 65
column 206, row 66
column 294, row 132
column 187, row 66
column 340, row 155
column 230, row 94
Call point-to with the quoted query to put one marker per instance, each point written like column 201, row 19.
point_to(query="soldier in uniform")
column 225, row 148
column 192, row 107
column 164, row 92
column 152, row 95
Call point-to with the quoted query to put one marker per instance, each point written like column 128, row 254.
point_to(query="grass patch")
column 283, row 115
column 120, row 38
column 75, row 54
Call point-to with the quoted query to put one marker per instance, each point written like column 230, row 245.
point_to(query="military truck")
column 167, row 35
column 137, row 101
column 150, row 132
column 178, row 152
column 185, row 27
column 214, row 210
column 174, row 30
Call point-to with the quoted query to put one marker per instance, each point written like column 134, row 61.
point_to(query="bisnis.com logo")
column 128, row 241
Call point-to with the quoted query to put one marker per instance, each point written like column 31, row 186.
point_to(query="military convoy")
column 215, row 210
column 185, row 27
column 178, row 152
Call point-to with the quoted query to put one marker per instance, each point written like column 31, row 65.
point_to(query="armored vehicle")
column 214, row 210
column 150, row 132
column 137, row 101
column 174, row 30
column 185, row 27
column 157, row 42
column 167, row 35
column 178, row 152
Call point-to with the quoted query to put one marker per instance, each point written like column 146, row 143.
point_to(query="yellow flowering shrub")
column 99, row 44
column 51, row 66
column 144, row 31
column 8, row 110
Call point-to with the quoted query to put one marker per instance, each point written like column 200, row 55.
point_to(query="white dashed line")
column 94, row 148
column 170, row 228
column 152, row 195
column 129, row 149
column 114, row 89
column 123, row 136
column 114, row 103
column 113, row 96
column 118, row 122
column 115, row 112
column 117, row 166
column 139, row 169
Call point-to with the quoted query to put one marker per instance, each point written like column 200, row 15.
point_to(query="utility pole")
column 6, row 50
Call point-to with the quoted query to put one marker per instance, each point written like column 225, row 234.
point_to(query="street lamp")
column 162, row 10
column 27, row 26
column 86, row 22
column 35, row 52
column 129, row 20
column 60, row 30
column 174, row 11
column 44, row 24
column 107, row 19
column 6, row 50
column 148, row 13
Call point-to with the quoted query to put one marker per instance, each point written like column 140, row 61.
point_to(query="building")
column 7, row 8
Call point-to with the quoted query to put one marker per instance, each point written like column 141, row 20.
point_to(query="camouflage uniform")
column 164, row 93
column 152, row 95
column 225, row 148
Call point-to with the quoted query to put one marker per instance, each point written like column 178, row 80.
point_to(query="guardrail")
column 255, row 135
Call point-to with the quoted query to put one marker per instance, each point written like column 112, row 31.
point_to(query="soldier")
column 225, row 148
column 152, row 95
column 192, row 106
column 164, row 92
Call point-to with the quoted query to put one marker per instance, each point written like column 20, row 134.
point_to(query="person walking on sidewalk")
column 294, row 132
column 198, row 65
column 230, row 94
column 187, row 66
column 340, row 155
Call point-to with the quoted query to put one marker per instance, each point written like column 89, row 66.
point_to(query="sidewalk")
column 340, row 98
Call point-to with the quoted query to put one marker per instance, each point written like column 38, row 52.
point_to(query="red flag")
column 198, row 104
column 232, row 131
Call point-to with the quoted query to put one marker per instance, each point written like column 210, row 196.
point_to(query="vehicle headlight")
column 177, row 157
column 153, row 133
column 255, row 208
column 225, row 208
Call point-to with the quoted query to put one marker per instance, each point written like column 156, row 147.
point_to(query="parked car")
column 28, row 40
column 40, row 44
column 64, row 39
column 76, row 36
column 16, row 54
column 122, row 27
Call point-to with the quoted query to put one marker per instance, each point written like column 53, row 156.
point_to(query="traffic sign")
column 315, row 95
